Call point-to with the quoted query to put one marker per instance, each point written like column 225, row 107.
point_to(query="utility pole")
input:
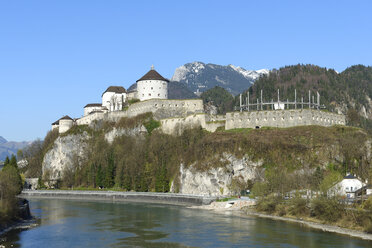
column 295, row 99
column 261, row 101
column 240, row 101
column 248, row 100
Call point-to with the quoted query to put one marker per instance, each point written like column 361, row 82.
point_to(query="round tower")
column 152, row 86
column 65, row 123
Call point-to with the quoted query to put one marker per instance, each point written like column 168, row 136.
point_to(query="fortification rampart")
column 167, row 108
column 282, row 118
column 161, row 108
column 176, row 126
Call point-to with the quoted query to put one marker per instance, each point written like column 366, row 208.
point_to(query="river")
column 72, row 223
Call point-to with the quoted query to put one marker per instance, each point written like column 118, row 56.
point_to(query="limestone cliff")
column 221, row 180
column 66, row 153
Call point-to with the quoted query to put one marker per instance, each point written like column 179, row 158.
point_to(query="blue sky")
column 57, row 56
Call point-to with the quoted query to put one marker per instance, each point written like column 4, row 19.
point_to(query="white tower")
column 152, row 86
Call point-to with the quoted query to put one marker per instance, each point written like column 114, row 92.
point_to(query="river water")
column 69, row 223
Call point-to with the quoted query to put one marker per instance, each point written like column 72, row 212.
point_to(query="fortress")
column 151, row 95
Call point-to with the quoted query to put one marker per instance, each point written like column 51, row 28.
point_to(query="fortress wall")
column 161, row 108
column 212, row 126
column 282, row 118
column 86, row 120
column 175, row 126
column 167, row 108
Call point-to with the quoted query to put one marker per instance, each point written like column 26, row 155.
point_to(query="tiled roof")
column 152, row 75
column 116, row 89
column 93, row 105
column 66, row 117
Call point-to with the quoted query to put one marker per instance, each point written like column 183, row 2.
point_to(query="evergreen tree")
column 99, row 177
column 13, row 161
column 6, row 162
column 110, row 172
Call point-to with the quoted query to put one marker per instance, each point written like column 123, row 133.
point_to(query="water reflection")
column 103, row 224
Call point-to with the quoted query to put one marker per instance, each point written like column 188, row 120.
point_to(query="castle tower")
column 152, row 86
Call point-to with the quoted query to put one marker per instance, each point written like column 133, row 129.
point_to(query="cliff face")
column 219, row 181
column 128, row 157
column 67, row 153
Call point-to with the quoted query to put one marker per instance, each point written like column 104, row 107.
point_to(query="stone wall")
column 167, row 108
column 282, row 118
column 159, row 107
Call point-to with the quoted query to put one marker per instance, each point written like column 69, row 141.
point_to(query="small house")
column 346, row 187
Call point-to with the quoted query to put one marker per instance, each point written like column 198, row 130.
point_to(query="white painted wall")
column 113, row 101
column 346, row 186
column 65, row 125
column 152, row 89
column 88, row 110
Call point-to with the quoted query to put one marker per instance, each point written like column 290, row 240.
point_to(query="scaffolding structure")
column 246, row 105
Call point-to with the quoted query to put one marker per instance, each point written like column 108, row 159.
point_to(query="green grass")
column 227, row 199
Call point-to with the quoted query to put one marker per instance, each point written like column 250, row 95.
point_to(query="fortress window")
column 152, row 88
column 149, row 94
column 159, row 94
column 176, row 105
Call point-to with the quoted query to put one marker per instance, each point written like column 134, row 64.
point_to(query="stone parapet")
column 282, row 118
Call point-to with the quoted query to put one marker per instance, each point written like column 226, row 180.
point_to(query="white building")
column 114, row 98
column 63, row 124
column 346, row 187
column 91, row 107
column 152, row 86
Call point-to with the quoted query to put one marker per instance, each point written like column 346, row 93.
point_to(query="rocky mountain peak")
column 198, row 76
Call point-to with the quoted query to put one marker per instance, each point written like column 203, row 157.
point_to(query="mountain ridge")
column 198, row 76
column 7, row 148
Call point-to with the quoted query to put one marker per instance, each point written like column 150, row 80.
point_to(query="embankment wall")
column 167, row 198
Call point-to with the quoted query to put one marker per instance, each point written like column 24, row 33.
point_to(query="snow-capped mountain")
column 198, row 76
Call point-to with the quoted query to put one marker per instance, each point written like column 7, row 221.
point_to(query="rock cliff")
column 221, row 180
column 66, row 153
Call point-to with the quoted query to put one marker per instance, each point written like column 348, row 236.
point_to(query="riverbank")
column 164, row 198
column 24, row 219
column 323, row 227
column 245, row 207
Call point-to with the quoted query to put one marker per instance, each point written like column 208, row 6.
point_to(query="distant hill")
column 202, row 77
column 7, row 148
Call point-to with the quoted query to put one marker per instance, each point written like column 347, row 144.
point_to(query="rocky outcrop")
column 218, row 181
column 66, row 153
column 137, row 131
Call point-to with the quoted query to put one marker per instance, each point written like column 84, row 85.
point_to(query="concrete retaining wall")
column 282, row 118
column 166, row 198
